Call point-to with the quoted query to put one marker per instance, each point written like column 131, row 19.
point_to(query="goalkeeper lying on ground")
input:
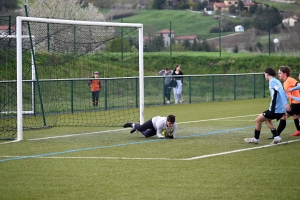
column 163, row 127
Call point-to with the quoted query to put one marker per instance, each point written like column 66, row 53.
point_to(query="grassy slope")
column 281, row 6
column 182, row 22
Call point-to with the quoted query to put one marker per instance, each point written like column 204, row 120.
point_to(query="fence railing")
column 73, row 95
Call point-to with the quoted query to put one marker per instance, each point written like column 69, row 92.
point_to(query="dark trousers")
column 146, row 129
column 167, row 92
column 95, row 97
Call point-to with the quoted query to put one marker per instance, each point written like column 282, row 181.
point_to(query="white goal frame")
column 20, row 20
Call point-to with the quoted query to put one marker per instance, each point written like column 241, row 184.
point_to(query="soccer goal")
column 66, row 55
column 8, row 49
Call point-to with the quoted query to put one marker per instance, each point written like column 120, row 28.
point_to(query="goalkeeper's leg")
column 149, row 132
column 147, row 129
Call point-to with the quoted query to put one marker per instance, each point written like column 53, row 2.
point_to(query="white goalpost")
column 21, row 21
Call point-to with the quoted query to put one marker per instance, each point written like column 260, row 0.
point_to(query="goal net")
column 55, row 75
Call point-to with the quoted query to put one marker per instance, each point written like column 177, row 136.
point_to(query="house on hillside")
column 224, row 6
column 166, row 36
column 178, row 39
column 291, row 21
column 190, row 38
column 239, row 28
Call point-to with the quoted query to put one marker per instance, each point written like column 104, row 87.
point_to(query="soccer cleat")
column 271, row 138
column 132, row 130
column 176, row 102
column 297, row 133
column 127, row 125
column 276, row 140
column 168, row 102
column 252, row 140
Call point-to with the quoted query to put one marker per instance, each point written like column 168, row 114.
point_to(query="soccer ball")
column 164, row 133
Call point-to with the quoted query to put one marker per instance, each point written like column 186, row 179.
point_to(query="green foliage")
column 232, row 9
column 252, row 8
column 119, row 45
column 157, row 4
column 236, row 49
column 200, row 5
column 155, row 43
column 266, row 17
column 240, row 5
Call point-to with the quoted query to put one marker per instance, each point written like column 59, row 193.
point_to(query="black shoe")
column 132, row 130
column 271, row 138
column 127, row 125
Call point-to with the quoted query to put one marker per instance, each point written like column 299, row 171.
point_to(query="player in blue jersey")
column 278, row 106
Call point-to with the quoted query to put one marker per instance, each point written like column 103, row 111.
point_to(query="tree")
column 200, row 5
column 205, row 46
column 6, row 5
column 240, row 5
column 235, row 49
column 232, row 9
column 265, row 16
column 7, row 8
column 67, row 9
column 186, row 44
column 157, row 4
column 155, row 43
column 252, row 9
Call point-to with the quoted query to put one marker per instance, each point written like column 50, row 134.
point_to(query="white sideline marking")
column 174, row 159
column 206, row 120
column 81, row 134
column 240, row 150
column 10, row 142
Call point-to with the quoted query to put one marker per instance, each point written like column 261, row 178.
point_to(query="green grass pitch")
column 208, row 160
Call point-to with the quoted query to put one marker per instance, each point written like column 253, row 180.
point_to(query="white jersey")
column 160, row 123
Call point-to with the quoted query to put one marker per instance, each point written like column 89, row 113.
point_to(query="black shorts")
column 270, row 115
column 295, row 109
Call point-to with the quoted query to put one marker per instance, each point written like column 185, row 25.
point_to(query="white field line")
column 80, row 134
column 240, row 150
column 10, row 142
column 225, row 118
column 174, row 159
column 100, row 132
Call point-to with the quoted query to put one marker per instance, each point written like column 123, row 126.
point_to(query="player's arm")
column 295, row 88
column 295, row 98
column 175, row 128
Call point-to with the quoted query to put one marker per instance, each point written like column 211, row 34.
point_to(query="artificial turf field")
column 208, row 159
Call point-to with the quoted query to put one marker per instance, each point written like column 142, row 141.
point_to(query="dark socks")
column 296, row 121
column 281, row 126
column 256, row 134
column 274, row 132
